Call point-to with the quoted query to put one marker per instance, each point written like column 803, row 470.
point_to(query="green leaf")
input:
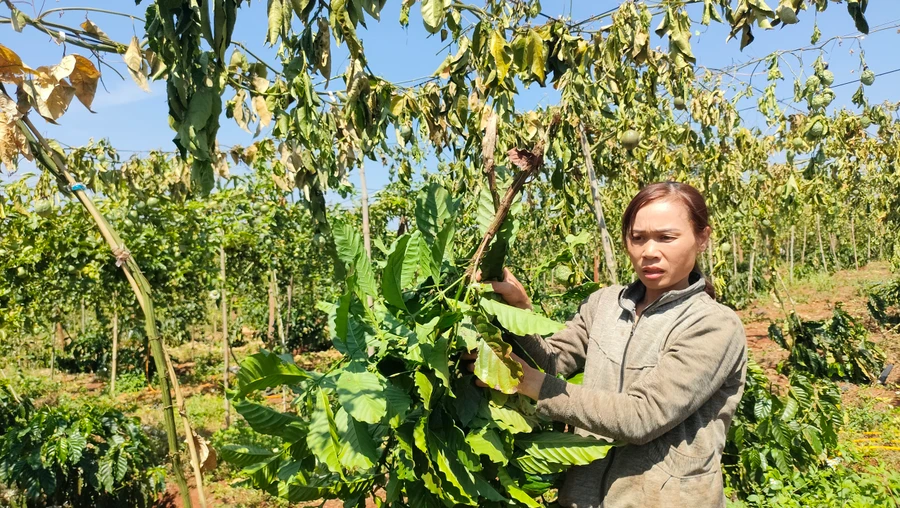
column 426, row 388
column 323, row 439
column 520, row 321
column 487, row 442
column 502, row 55
column 275, row 9
column 514, row 491
column 267, row 370
column 435, row 209
column 350, row 250
column 564, row 448
column 508, row 419
column 403, row 265
column 349, row 331
column 433, row 14
column 266, row 420
column 77, row 444
column 435, row 356
column 484, row 213
column 358, row 448
column 495, row 365
column 398, row 403
column 244, row 455
column 362, row 395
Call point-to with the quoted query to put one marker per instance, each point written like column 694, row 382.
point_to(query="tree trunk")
column 82, row 317
column 868, row 248
column 270, row 332
column 597, row 266
column 225, row 350
column 853, row 239
column 115, row 345
column 791, row 254
column 608, row 253
column 821, row 245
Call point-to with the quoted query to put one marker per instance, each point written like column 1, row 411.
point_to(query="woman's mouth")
column 653, row 273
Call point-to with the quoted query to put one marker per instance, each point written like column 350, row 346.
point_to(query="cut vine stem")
column 530, row 161
column 54, row 163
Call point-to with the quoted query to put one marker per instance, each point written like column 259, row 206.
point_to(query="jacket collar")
column 634, row 292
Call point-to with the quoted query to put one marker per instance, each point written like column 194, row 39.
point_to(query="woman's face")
column 663, row 247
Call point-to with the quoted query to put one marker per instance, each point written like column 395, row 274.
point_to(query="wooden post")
column 803, row 250
column 833, row 243
column 115, row 345
column 608, row 252
column 821, row 245
column 290, row 297
column 225, row 350
column 853, row 239
column 750, row 273
column 791, row 254
column 270, row 332
column 82, row 316
column 53, row 354
column 734, row 248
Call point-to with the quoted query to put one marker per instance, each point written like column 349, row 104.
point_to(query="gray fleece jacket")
column 667, row 384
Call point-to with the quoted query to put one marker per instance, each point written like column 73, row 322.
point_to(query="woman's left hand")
column 529, row 385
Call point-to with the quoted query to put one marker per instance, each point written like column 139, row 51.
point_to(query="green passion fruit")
column 630, row 139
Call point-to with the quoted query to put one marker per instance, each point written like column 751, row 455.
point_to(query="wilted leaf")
column 520, row 321
column 501, row 54
column 206, row 453
column 12, row 70
column 84, row 78
column 433, row 14
column 49, row 95
column 494, row 365
column 261, row 85
column 12, row 141
column 93, row 29
column 134, row 60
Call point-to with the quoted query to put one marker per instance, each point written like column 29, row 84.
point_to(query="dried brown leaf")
column 84, row 79
column 94, row 30
column 135, row 62
column 12, row 70
column 261, row 85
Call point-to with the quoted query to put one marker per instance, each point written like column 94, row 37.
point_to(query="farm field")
column 870, row 437
column 311, row 253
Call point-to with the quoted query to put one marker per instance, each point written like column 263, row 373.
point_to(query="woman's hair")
column 681, row 192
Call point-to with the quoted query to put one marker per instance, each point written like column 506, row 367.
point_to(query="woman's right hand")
column 512, row 291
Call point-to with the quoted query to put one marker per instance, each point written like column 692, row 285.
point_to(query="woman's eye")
column 667, row 238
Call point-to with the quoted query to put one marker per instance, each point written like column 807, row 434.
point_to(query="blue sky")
column 136, row 120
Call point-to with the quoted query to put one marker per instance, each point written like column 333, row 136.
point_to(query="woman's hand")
column 529, row 385
column 512, row 291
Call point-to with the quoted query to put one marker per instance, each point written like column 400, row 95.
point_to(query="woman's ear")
column 703, row 238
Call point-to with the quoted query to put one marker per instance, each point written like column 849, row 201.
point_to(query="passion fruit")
column 725, row 247
column 679, row 103
column 865, row 121
column 153, row 202
column 813, row 82
column 827, row 77
column 630, row 139
column 867, row 77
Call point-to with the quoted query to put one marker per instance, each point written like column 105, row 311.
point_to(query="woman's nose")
column 649, row 250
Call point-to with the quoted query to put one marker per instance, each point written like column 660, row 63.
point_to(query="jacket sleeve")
column 564, row 352
column 694, row 365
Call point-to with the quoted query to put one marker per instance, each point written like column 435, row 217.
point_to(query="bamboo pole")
column 853, row 239
column 609, row 254
column 270, row 332
column 803, row 249
column 225, row 349
column 54, row 163
column 833, row 244
column 52, row 355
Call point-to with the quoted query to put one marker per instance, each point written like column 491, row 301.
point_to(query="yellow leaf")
column 93, row 29
column 258, row 102
column 135, row 62
column 500, row 52
column 241, row 112
column 84, row 79
column 11, row 68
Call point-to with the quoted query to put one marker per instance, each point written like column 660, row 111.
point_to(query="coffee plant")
column 884, row 302
column 399, row 414
column 838, row 348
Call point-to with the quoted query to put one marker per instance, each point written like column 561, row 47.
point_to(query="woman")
column 664, row 365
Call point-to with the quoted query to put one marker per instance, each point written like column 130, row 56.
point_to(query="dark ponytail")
column 698, row 214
